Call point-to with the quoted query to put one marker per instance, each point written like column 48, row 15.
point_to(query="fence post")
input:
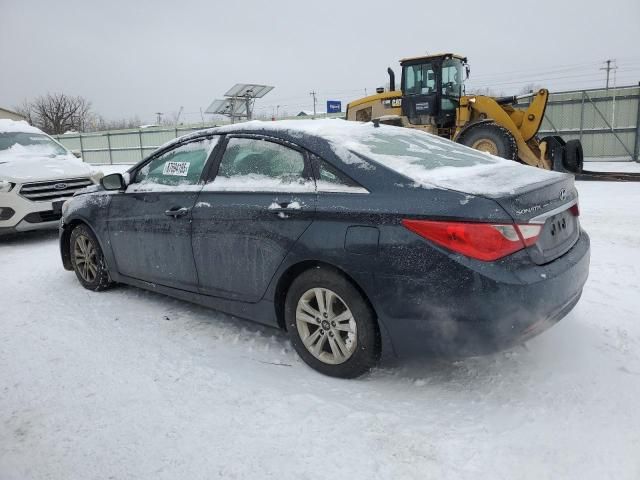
column 581, row 116
column 140, row 140
column 81, row 147
column 636, row 148
column 109, row 146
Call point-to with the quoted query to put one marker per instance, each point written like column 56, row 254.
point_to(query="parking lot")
column 130, row 384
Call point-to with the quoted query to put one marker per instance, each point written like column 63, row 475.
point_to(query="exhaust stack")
column 392, row 79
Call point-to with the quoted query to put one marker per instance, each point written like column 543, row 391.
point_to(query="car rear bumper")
column 482, row 314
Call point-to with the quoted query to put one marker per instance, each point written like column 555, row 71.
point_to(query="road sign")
column 334, row 106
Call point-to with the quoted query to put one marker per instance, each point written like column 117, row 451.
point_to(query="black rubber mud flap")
column 573, row 156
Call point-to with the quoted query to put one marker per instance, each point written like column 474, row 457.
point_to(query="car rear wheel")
column 87, row 259
column 331, row 325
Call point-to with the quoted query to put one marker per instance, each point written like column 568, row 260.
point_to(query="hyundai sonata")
column 358, row 239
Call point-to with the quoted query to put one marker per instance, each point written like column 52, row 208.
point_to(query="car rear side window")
column 329, row 179
column 251, row 164
column 179, row 167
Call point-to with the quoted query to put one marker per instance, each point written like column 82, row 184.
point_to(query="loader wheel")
column 491, row 138
column 573, row 156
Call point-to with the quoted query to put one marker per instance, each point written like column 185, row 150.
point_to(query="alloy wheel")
column 326, row 326
column 84, row 253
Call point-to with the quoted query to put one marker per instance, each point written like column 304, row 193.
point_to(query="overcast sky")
column 136, row 58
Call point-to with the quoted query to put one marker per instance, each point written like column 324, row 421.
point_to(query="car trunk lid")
column 553, row 206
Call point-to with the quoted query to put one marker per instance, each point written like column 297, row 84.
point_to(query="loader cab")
column 432, row 87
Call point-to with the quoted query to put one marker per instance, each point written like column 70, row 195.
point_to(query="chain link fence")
column 606, row 121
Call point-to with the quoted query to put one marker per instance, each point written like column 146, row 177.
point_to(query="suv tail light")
column 483, row 241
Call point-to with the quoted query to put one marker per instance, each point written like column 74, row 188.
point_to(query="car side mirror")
column 114, row 181
column 76, row 153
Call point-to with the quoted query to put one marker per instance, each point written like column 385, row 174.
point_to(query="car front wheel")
column 87, row 259
column 330, row 324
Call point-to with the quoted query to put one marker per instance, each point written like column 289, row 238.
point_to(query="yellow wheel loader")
column 432, row 98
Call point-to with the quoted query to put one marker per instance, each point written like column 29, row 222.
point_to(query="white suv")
column 37, row 174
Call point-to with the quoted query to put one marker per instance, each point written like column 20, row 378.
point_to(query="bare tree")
column 24, row 109
column 58, row 113
column 98, row 123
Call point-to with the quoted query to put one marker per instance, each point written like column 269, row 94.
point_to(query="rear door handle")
column 177, row 212
column 280, row 208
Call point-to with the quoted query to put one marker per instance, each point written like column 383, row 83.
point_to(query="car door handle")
column 279, row 208
column 177, row 212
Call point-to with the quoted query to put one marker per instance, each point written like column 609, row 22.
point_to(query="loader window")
column 452, row 78
column 419, row 79
column 452, row 84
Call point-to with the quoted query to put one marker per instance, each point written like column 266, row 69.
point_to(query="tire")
column 573, row 156
column 346, row 347
column 491, row 137
column 87, row 259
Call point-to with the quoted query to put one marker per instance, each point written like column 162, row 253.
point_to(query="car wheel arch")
column 297, row 269
column 66, row 238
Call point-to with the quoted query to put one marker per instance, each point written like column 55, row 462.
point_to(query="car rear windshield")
column 401, row 147
column 29, row 143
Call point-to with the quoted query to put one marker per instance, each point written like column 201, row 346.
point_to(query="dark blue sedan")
column 360, row 240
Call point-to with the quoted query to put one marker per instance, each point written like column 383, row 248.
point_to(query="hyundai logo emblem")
column 60, row 186
column 563, row 194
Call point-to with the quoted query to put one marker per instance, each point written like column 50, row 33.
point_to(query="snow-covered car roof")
column 12, row 126
column 428, row 160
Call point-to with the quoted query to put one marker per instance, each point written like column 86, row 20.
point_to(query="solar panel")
column 228, row 106
column 248, row 90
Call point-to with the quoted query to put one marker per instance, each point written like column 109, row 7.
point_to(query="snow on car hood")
column 20, row 164
column 428, row 160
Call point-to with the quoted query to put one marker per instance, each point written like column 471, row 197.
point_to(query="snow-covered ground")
column 127, row 384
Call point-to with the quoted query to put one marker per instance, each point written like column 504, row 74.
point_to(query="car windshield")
column 27, row 144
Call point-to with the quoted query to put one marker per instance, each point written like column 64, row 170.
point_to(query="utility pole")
column 313, row 94
column 608, row 68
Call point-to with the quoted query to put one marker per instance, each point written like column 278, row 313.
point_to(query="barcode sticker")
column 176, row 168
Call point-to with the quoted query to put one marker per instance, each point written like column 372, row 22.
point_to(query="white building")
column 10, row 114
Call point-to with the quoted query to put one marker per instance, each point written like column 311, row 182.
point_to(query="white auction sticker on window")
column 176, row 168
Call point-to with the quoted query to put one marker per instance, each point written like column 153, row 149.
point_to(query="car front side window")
column 179, row 168
column 250, row 164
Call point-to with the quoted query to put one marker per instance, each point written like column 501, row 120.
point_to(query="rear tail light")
column 483, row 241
column 575, row 210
